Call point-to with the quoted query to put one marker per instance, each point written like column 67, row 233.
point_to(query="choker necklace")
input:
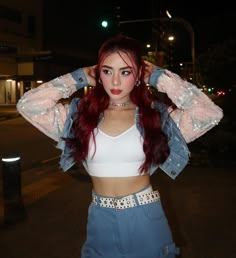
column 120, row 104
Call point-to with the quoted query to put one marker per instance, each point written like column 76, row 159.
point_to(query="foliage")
column 155, row 58
column 151, row 58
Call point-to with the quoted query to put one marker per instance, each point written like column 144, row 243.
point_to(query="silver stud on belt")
column 128, row 201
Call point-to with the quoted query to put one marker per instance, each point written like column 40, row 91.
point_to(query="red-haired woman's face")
column 119, row 75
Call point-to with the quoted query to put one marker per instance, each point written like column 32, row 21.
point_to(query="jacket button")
column 81, row 79
column 173, row 173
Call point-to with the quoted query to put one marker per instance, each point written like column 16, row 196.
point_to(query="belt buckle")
column 124, row 202
column 115, row 203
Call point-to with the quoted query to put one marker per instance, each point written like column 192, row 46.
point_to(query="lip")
column 116, row 91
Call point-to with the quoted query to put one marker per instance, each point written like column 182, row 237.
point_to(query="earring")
column 100, row 81
column 138, row 82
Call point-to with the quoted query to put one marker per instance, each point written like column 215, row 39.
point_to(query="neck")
column 123, row 104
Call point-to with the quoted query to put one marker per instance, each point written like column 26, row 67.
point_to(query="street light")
column 182, row 21
column 171, row 38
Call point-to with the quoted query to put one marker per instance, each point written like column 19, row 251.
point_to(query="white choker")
column 120, row 104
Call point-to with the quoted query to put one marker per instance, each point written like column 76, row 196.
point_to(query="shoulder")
column 73, row 108
column 75, row 102
column 168, row 124
column 162, row 108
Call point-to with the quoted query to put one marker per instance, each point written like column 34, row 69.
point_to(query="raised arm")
column 40, row 105
column 196, row 113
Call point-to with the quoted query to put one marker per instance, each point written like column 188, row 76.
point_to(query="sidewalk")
column 8, row 111
column 199, row 205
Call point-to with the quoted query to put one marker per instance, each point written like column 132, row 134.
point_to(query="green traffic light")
column 104, row 24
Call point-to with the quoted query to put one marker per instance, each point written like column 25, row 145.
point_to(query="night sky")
column 78, row 28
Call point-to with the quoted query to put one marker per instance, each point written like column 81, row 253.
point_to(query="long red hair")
column 91, row 106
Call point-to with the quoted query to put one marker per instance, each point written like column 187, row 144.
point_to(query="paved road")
column 200, row 205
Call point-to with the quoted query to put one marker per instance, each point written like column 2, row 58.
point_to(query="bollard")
column 14, row 210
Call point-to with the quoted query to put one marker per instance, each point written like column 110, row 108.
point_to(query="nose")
column 116, row 80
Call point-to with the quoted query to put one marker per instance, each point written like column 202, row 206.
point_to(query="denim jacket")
column 194, row 116
column 179, row 152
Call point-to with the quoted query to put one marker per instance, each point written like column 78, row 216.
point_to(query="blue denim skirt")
column 141, row 231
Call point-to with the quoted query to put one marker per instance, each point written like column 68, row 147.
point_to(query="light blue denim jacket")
column 195, row 114
column 179, row 152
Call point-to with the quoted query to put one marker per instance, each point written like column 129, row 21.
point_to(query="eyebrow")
column 122, row 68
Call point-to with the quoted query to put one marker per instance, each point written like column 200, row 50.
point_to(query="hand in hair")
column 149, row 67
column 89, row 72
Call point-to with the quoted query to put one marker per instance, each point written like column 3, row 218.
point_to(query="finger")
column 92, row 71
column 147, row 63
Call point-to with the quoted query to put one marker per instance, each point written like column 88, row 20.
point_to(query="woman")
column 122, row 134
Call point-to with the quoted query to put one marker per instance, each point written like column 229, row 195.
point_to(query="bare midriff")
column 119, row 186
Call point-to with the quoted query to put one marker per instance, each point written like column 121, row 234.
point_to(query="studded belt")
column 128, row 201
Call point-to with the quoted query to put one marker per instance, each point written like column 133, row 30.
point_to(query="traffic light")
column 104, row 23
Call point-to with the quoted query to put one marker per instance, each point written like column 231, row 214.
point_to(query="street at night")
column 44, row 210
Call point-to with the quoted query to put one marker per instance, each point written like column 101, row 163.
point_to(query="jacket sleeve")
column 40, row 105
column 196, row 113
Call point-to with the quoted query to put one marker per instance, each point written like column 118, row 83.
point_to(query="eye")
column 126, row 72
column 106, row 71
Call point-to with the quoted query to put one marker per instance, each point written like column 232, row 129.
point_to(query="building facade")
column 21, row 39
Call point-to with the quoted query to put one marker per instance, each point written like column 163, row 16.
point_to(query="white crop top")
column 116, row 156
